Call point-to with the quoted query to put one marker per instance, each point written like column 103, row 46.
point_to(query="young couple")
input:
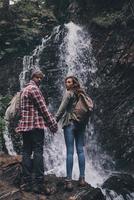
column 35, row 117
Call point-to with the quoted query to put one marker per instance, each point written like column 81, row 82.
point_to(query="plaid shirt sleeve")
column 40, row 102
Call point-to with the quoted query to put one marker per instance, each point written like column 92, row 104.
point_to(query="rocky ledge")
column 10, row 188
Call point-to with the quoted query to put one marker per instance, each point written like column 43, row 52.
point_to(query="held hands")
column 57, row 119
column 53, row 127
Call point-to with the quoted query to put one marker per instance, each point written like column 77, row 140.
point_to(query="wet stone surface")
column 10, row 185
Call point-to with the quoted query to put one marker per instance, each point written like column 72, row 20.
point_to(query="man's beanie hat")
column 37, row 72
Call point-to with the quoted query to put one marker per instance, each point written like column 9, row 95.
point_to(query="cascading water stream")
column 8, row 141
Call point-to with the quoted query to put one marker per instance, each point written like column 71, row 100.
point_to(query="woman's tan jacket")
column 65, row 111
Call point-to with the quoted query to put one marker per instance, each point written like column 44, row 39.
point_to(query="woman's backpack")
column 83, row 108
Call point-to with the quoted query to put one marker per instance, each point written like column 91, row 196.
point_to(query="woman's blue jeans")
column 74, row 133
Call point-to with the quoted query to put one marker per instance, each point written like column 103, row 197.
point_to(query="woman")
column 73, row 131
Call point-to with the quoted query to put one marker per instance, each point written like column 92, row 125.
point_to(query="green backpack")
column 83, row 108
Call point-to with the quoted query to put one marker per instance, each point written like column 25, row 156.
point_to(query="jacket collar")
column 32, row 83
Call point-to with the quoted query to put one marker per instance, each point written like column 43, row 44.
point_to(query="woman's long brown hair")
column 76, row 85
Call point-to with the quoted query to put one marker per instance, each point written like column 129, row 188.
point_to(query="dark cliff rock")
column 10, row 176
column 114, row 97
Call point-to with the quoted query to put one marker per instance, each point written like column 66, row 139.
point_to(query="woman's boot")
column 82, row 182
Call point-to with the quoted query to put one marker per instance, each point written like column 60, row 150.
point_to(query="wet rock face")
column 114, row 50
column 9, row 82
column 10, row 178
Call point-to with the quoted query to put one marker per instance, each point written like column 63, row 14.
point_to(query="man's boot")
column 68, row 185
column 26, row 184
column 26, row 187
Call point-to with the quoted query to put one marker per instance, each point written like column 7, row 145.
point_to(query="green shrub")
column 4, row 100
column 2, row 126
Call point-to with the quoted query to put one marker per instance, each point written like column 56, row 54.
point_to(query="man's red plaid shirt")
column 34, row 112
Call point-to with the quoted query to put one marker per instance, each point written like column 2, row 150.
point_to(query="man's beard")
column 39, row 83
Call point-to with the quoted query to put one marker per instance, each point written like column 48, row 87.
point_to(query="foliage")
column 4, row 100
column 108, row 19
column 21, row 29
column 2, row 125
column 0, row 3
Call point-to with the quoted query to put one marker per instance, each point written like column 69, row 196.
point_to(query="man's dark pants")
column 33, row 142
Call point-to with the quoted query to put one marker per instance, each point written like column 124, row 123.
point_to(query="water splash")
column 112, row 195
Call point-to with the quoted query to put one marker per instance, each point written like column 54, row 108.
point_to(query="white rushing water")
column 8, row 141
column 76, row 57
column 112, row 195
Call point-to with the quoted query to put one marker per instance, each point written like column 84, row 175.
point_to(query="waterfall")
column 75, row 58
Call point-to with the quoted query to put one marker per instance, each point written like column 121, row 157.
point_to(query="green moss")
column 11, row 50
column 2, row 127
column 108, row 19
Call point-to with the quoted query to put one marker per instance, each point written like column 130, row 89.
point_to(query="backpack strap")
column 88, row 101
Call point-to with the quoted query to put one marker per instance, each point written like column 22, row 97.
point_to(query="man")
column 35, row 117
